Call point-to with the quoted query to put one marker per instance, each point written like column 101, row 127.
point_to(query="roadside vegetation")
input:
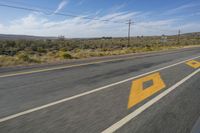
column 26, row 52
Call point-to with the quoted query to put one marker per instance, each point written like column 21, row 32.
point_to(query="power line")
column 88, row 18
column 72, row 15
column 129, row 31
column 179, row 34
column 33, row 5
column 60, row 14
column 49, row 9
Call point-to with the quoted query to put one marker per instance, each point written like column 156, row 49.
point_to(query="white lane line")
column 138, row 111
column 88, row 92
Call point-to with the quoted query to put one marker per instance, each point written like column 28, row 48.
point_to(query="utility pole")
column 179, row 34
column 129, row 31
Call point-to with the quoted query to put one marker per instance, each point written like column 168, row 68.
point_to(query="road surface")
column 151, row 93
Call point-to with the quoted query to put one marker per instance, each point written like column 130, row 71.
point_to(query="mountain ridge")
column 32, row 37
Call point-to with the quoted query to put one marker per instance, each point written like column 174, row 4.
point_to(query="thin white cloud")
column 180, row 8
column 158, row 23
column 157, row 27
column 116, row 8
column 1, row 27
column 195, row 14
column 119, row 16
column 74, row 27
column 190, row 27
column 81, row 2
column 62, row 4
column 35, row 24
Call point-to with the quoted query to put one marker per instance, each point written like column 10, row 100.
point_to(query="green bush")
column 26, row 58
column 15, row 52
column 65, row 55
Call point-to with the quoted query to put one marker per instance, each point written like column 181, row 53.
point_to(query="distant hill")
column 26, row 37
column 191, row 34
column 23, row 37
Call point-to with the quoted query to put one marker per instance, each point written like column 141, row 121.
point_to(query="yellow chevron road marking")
column 193, row 64
column 138, row 93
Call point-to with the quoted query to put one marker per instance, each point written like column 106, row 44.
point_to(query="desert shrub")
column 65, row 55
column 36, row 51
column 26, row 58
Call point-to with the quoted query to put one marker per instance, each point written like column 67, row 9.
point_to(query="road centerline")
column 88, row 92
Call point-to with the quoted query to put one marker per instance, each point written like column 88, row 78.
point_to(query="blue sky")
column 151, row 17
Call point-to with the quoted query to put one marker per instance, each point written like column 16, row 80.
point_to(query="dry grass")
column 24, row 52
column 27, row 59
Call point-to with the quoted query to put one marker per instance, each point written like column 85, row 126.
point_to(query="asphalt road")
column 151, row 93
